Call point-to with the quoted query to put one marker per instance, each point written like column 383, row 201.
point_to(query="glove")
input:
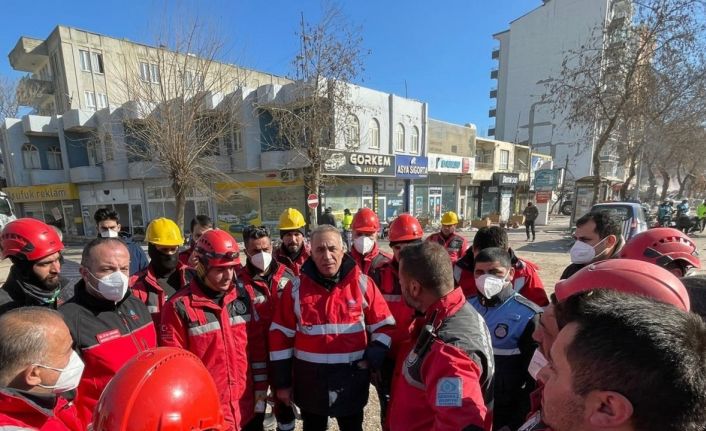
column 375, row 355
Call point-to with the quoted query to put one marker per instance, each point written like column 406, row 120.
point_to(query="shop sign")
column 347, row 163
column 411, row 167
column 50, row 192
column 545, row 180
column 506, row 180
column 450, row 164
column 543, row 197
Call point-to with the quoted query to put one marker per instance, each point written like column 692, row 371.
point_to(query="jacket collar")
column 94, row 303
column 15, row 400
column 445, row 306
column 201, row 295
column 348, row 266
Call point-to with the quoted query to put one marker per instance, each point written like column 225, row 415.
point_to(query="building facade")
column 529, row 54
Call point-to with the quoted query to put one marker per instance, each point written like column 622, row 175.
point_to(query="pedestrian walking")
column 531, row 213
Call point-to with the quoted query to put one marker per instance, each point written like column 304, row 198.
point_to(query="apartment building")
column 529, row 53
column 70, row 156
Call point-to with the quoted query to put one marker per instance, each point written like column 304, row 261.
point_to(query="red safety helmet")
column 216, row 248
column 405, row 228
column 165, row 389
column 629, row 276
column 661, row 246
column 29, row 239
column 365, row 221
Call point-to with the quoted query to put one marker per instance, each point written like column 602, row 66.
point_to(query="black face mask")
column 162, row 264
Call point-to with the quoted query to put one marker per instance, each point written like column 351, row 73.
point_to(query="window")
column 85, row 57
column 102, row 101
column 454, row 149
column 374, row 134
column 90, row 99
column 30, row 157
column 504, row 159
column 144, row 71
column 54, row 158
column 352, row 132
column 399, row 137
column 415, row 140
column 154, row 73
column 231, row 140
column 188, row 79
column 97, row 62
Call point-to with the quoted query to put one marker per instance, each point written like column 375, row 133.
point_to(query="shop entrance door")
column 435, row 203
column 367, row 202
column 382, row 208
column 69, row 222
column 505, row 198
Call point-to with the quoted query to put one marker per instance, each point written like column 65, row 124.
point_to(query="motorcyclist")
column 664, row 213
column 683, row 208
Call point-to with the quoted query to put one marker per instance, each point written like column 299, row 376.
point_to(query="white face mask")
column 583, row 253
column 69, row 376
column 113, row 286
column 110, row 233
column 363, row 244
column 489, row 285
column 537, row 362
column 261, row 260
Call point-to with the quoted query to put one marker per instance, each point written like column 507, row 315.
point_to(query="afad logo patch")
column 449, row 392
column 104, row 337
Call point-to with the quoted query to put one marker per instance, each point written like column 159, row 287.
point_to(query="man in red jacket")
column 454, row 243
column 365, row 251
column 294, row 250
column 446, row 379
column 37, row 368
column 329, row 332
column 526, row 280
column 107, row 323
column 213, row 318
column 267, row 278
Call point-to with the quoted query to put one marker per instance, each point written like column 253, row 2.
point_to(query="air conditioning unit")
column 287, row 175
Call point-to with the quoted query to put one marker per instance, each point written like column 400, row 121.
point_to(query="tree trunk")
column 631, row 174
column 597, row 158
column 652, row 179
column 313, row 185
column 682, row 185
column 665, row 183
column 180, row 201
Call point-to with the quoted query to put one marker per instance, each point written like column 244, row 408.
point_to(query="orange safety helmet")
column 662, row 246
column 216, row 248
column 365, row 221
column 405, row 228
column 162, row 389
column 29, row 239
column 628, row 276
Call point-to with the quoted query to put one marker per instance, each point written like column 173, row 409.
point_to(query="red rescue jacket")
column 145, row 287
column 17, row 412
column 455, row 245
column 389, row 279
column 106, row 335
column 370, row 262
column 526, row 280
column 222, row 335
column 320, row 333
column 295, row 265
column 445, row 381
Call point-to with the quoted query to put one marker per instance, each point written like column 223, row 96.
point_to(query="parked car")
column 631, row 214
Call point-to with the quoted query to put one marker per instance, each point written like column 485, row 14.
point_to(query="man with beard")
column 454, row 243
column 446, row 378
column 164, row 275
column 35, row 251
column 108, row 226
column 294, row 250
column 267, row 278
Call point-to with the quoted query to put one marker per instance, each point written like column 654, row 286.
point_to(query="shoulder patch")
column 449, row 392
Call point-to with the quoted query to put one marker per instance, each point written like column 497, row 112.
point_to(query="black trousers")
column 314, row 422
column 529, row 224
column 283, row 413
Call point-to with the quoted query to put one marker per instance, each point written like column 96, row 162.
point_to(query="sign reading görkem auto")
column 346, row 163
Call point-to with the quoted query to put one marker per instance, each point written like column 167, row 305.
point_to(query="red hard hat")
column 628, row 276
column 365, row 221
column 661, row 246
column 165, row 389
column 405, row 228
column 30, row 239
column 216, row 248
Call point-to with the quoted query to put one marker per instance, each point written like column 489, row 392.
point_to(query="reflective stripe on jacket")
column 20, row 413
column 145, row 287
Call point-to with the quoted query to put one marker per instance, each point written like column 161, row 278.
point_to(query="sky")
column 437, row 52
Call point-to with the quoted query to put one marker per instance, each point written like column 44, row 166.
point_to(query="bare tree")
column 181, row 119
column 313, row 113
column 604, row 85
column 9, row 105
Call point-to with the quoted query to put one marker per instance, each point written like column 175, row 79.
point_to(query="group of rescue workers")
column 452, row 336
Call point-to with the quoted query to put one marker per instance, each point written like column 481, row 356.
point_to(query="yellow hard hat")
column 163, row 231
column 449, row 218
column 291, row 219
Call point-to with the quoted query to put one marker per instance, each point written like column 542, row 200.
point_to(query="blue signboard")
column 545, row 180
column 411, row 167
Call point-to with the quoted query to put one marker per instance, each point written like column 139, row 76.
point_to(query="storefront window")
column 239, row 208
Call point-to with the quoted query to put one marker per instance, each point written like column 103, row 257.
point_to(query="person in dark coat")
column 108, row 226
